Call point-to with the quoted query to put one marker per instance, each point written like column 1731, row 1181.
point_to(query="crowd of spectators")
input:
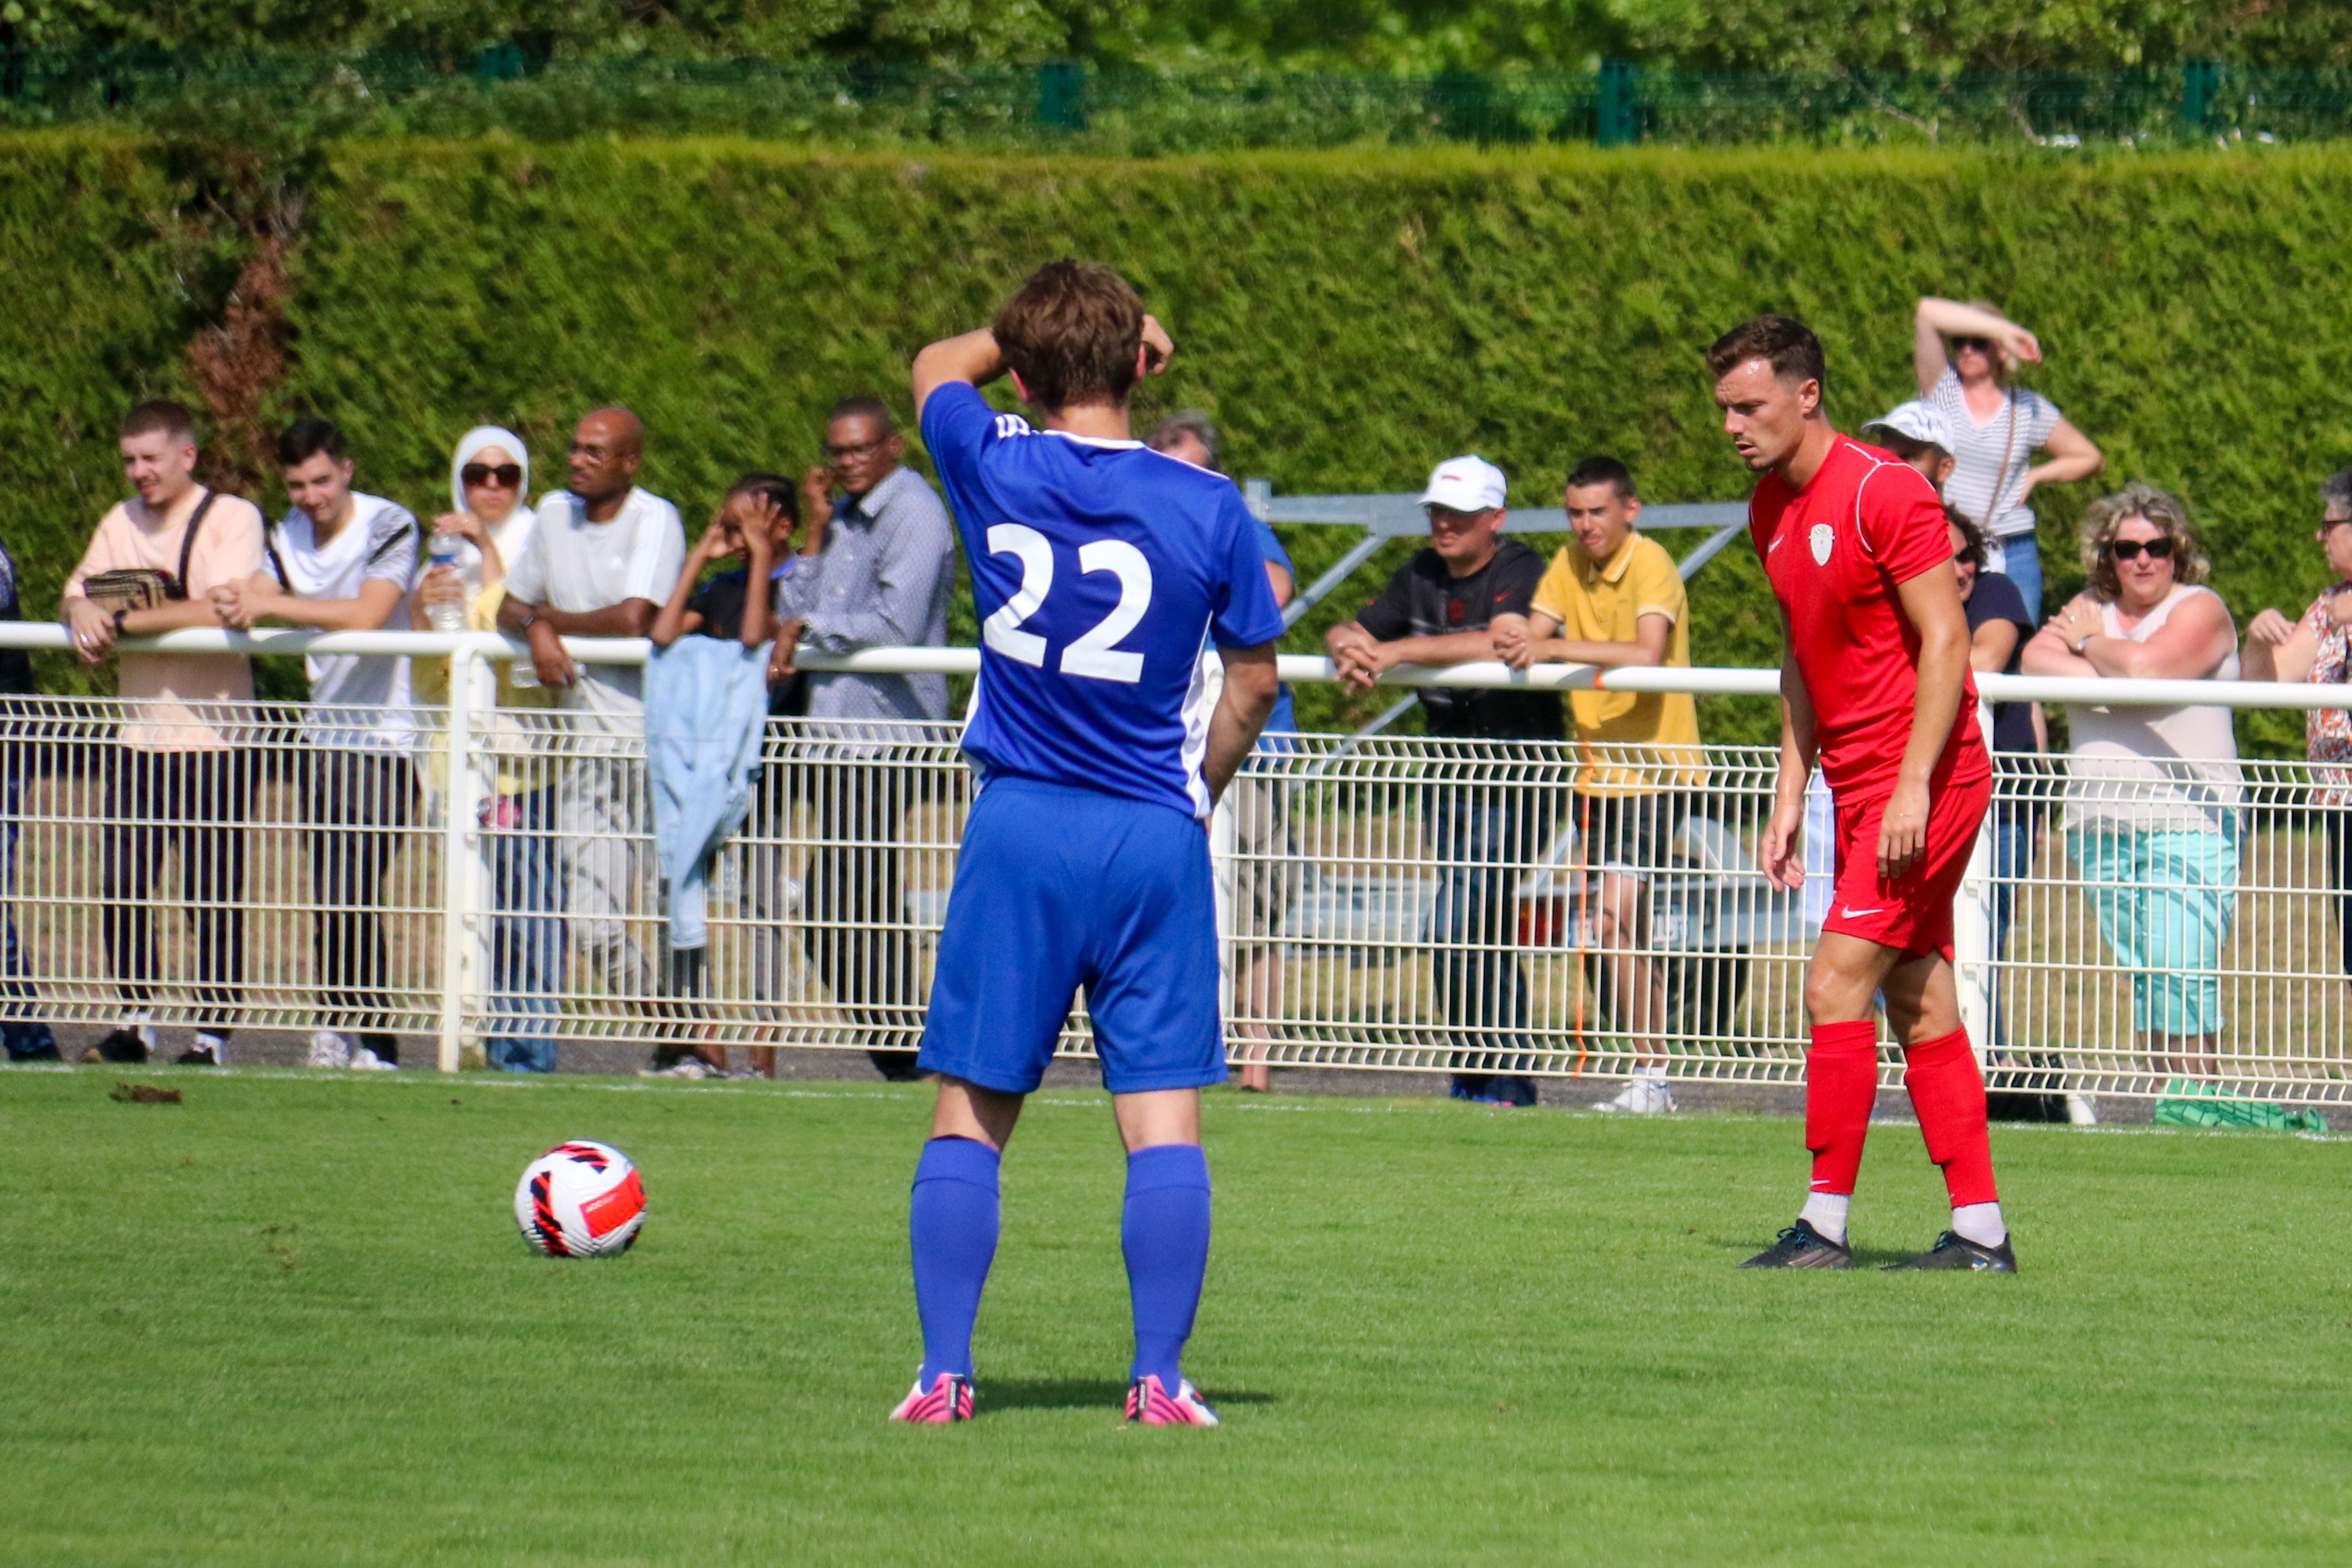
column 859, row 554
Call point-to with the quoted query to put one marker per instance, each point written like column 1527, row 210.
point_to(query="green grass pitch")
column 289, row 1321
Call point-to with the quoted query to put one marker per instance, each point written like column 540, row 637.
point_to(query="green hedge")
column 1348, row 318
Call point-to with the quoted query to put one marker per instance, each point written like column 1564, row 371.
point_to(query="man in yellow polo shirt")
column 1614, row 598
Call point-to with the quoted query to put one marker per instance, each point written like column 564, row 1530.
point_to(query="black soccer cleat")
column 1803, row 1246
column 1953, row 1250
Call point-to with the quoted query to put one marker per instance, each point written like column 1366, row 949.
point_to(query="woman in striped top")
column 1963, row 356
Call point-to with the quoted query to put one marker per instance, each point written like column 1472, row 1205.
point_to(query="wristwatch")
column 2084, row 642
column 530, row 618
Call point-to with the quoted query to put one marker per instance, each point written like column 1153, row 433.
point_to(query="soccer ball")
column 581, row 1199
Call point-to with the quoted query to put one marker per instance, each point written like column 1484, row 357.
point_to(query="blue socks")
column 1165, row 1231
column 952, row 1223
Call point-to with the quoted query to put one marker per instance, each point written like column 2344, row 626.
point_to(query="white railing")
column 1386, row 903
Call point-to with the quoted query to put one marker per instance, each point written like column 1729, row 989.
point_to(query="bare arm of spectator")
column 1936, row 319
column 1991, row 645
column 1359, row 660
column 2280, row 647
column 1528, row 639
column 2189, row 646
column 2073, row 456
column 1248, row 696
column 912, row 560
column 262, row 597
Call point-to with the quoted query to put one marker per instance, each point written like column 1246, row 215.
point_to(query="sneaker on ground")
column 329, row 1049
column 686, row 1067
column 1953, row 1250
column 1642, row 1096
column 127, row 1044
column 366, row 1061
column 200, row 1055
column 1149, row 1402
column 47, row 1053
column 948, row 1399
column 1803, row 1246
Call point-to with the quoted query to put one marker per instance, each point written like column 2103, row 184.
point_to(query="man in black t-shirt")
column 1437, row 611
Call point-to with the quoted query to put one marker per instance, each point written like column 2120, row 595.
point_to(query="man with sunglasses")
column 874, row 571
column 1875, row 683
column 1440, row 609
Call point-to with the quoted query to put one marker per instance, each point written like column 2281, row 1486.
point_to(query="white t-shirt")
column 359, row 702
column 574, row 566
column 1996, row 451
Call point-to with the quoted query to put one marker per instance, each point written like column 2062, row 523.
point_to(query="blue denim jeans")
column 2022, row 564
column 525, row 948
column 21, row 1037
column 1485, row 839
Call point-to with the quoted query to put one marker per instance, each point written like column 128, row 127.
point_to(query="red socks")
column 1841, row 1087
column 1948, row 1094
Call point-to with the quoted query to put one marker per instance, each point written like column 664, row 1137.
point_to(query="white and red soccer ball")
column 581, row 1199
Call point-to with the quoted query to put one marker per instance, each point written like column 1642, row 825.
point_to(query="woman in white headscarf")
column 489, row 482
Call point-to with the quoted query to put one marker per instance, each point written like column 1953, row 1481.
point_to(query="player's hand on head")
column 1157, row 347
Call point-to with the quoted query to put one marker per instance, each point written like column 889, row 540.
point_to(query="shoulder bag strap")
column 188, row 540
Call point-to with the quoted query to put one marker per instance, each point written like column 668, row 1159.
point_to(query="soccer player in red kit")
column 1875, row 684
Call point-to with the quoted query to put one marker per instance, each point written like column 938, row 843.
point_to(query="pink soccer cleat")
column 1148, row 1401
column 948, row 1398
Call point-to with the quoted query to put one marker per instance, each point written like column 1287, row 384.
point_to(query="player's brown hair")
column 160, row 414
column 1071, row 331
column 2161, row 509
column 1786, row 343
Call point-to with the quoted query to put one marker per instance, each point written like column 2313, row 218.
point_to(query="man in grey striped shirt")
column 874, row 571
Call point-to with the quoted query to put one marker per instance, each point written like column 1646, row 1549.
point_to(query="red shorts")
column 1912, row 913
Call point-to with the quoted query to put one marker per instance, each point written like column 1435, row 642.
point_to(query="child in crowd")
column 707, row 717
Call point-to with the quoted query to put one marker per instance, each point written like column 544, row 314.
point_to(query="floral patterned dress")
column 2327, row 731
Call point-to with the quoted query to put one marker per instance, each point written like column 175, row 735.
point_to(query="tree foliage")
column 1420, row 36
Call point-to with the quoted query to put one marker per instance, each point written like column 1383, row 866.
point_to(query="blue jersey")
column 1099, row 569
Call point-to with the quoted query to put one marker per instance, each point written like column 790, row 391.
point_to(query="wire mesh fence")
column 1385, row 903
column 1066, row 105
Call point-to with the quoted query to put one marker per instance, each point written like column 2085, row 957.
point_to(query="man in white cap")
column 1438, row 610
column 1917, row 434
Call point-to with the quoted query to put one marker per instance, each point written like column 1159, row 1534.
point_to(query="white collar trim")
column 1105, row 442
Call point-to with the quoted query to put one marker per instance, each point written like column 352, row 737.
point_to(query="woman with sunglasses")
column 2152, row 793
column 489, row 481
column 1962, row 356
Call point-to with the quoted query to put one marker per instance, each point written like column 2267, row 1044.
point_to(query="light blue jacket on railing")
column 706, row 715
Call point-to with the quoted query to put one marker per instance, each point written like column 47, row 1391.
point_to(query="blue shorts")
column 1056, row 888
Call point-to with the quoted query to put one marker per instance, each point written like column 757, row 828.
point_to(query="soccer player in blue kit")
column 1101, row 570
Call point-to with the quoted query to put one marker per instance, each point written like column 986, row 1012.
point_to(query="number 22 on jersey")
column 1096, row 656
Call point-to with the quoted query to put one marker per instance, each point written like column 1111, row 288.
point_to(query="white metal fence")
column 1386, row 903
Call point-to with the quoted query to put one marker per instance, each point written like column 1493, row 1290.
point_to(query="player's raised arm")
column 973, row 358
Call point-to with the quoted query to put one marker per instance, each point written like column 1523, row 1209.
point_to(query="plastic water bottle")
column 447, row 550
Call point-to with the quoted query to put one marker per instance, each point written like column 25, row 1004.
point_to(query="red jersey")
column 1835, row 552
